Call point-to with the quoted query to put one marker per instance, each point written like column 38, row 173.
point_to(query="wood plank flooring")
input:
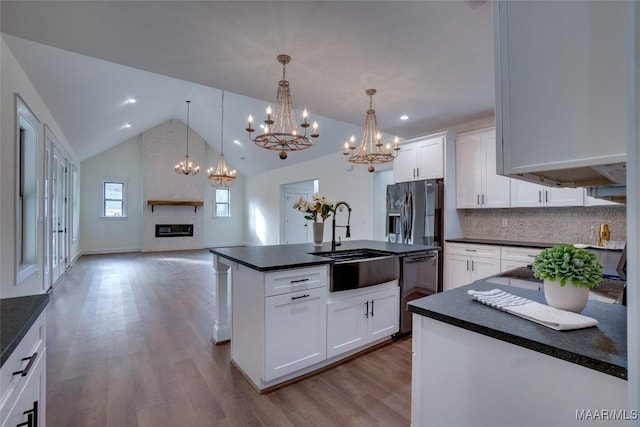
column 129, row 344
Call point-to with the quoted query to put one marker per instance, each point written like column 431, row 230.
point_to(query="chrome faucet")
column 333, row 225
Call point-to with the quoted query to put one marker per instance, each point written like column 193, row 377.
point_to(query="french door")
column 59, row 241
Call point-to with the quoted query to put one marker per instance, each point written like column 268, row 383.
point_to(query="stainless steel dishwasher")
column 418, row 278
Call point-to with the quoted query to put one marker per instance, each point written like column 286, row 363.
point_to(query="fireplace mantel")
column 194, row 203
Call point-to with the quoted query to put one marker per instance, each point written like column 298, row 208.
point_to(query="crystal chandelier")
column 371, row 150
column 221, row 176
column 186, row 166
column 280, row 130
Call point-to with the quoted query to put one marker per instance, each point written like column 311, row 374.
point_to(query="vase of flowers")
column 568, row 274
column 319, row 208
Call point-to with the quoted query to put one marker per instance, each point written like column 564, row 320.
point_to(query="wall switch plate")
column 505, row 222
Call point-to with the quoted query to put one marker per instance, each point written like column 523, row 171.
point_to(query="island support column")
column 222, row 293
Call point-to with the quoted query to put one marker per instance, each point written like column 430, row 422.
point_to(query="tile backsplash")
column 547, row 225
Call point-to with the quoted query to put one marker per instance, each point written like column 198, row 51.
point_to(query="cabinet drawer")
column 527, row 255
column 31, row 346
column 487, row 251
column 282, row 282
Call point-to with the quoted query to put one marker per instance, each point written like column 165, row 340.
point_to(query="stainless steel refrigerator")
column 414, row 216
column 414, row 212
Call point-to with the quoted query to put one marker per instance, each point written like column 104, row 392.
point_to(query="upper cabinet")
column 421, row 158
column 560, row 89
column 478, row 185
column 526, row 194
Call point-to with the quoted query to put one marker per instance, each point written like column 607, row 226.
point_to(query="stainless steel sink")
column 360, row 268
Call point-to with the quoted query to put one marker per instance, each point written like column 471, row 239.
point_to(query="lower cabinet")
column 295, row 331
column 466, row 263
column 356, row 320
column 23, row 383
column 29, row 409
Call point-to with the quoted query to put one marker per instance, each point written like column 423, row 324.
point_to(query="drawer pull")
column 32, row 416
column 26, row 369
column 300, row 280
column 301, row 296
column 471, row 250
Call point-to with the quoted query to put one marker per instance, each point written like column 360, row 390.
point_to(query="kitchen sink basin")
column 360, row 268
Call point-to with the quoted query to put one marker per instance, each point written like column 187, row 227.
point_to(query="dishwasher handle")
column 417, row 259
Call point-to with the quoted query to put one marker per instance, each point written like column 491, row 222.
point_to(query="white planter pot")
column 567, row 297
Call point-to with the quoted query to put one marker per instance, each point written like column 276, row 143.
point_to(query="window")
column 27, row 191
column 222, row 201
column 113, row 199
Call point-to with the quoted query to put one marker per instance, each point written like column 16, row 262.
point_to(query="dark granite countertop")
column 280, row 257
column 602, row 348
column 540, row 245
column 16, row 317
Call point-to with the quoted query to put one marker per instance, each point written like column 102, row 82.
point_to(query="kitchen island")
column 476, row 365
column 275, row 306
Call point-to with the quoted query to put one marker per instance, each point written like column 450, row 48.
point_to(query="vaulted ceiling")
column 430, row 60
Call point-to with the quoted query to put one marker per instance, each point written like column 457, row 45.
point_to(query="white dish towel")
column 551, row 317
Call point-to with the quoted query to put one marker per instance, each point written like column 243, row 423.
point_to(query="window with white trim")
column 113, row 199
column 222, row 201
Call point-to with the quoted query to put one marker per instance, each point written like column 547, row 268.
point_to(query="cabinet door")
column 430, row 163
column 384, row 315
column 32, row 400
column 525, row 194
column 484, row 267
column 550, row 121
column 404, row 166
column 346, row 325
column 495, row 188
column 295, row 331
column 457, row 271
column 468, row 171
column 563, row 196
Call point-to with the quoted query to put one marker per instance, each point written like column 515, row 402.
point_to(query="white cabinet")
column 278, row 322
column 23, row 380
column 526, row 194
column 478, row 185
column 362, row 317
column 420, row 159
column 560, row 87
column 295, row 331
column 513, row 257
column 465, row 263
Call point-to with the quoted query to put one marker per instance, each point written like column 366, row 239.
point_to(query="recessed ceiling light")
column 126, row 126
column 235, row 141
column 404, row 117
column 131, row 101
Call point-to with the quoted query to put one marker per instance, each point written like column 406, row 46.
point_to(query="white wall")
column 127, row 160
column 262, row 196
column 108, row 235
column 15, row 81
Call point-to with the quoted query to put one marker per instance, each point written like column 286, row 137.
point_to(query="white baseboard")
column 109, row 251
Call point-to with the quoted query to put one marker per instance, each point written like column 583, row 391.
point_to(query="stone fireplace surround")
column 162, row 147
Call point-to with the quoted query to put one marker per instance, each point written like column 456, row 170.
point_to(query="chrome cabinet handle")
column 301, row 296
column 478, row 199
column 483, row 199
column 472, row 265
column 371, row 308
column 366, row 310
column 546, row 196
column 299, row 280
column 467, row 265
column 539, row 196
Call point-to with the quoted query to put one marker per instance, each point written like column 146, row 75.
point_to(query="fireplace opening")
column 174, row 230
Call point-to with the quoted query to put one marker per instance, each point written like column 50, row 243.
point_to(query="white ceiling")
column 430, row 60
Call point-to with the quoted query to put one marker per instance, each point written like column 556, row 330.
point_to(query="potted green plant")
column 568, row 274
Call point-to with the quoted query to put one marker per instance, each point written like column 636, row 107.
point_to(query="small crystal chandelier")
column 371, row 150
column 221, row 176
column 281, row 131
column 186, row 166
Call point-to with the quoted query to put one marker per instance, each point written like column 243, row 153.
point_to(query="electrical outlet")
column 505, row 222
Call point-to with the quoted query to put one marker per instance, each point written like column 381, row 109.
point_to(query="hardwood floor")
column 129, row 344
